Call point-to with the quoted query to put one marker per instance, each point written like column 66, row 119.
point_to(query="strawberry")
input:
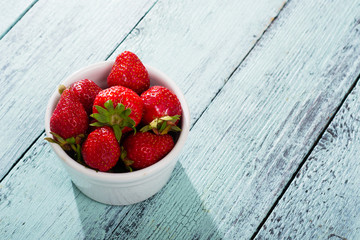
column 162, row 110
column 128, row 71
column 101, row 149
column 118, row 107
column 86, row 90
column 69, row 122
column 144, row 149
column 69, row 118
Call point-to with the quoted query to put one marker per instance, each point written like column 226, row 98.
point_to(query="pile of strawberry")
column 125, row 126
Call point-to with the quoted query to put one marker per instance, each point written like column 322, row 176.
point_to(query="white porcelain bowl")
column 120, row 188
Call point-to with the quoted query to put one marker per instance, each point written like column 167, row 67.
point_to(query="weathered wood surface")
column 276, row 105
column 52, row 40
column 11, row 12
column 73, row 46
column 75, row 216
column 236, row 161
column 199, row 44
column 323, row 200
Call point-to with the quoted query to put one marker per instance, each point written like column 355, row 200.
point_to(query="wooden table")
column 273, row 151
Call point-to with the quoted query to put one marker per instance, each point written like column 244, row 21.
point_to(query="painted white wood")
column 11, row 12
column 52, row 40
column 323, row 200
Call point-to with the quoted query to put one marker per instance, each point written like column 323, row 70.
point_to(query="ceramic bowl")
column 120, row 188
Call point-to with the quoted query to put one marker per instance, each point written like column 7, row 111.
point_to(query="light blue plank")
column 250, row 140
column 31, row 202
column 200, row 43
column 63, row 212
column 52, row 40
column 12, row 12
column 323, row 200
column 224, row 198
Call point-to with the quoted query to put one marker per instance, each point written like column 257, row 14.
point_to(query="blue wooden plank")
column 51, row 41
column 228, row 186
column 62, row 212
column 224, row 199
column 253, row 135
column 12, row 12
column 34, row 205
column 199, row 44
column 37, row 201
column 323, row 200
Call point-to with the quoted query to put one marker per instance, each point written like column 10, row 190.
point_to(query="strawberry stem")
column 78, row 154
column 61, row 88
column 127, row 162
column 69, row 144
column 163, row 125
column 115, row 117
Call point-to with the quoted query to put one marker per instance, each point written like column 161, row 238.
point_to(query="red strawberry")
column 101, row 150
column 68, row 123
column 86, row 90
column 144, row 148
column 119, row 107
column 69, row 118
column 128, row 71
column 160, row 106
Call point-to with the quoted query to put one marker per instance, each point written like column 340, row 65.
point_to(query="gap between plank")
column 305, row 158
column 22, row 155
column 118, row 45
column 30, row 146
column 18, row 19
column 242, row 60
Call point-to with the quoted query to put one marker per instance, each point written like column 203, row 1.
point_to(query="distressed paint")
column 37, row 197
column 42, row 49
column 323, row 200
column 61, row 218
column 11, row 12
column 38, row 201
column 200, row 43
column 282, row 95
column 251, row 138
column 28, row 46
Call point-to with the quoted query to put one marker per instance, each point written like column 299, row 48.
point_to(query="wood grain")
column 200, row 43
column 11, row 12
column 73, row 46
column 253, row 135
column 76, row 216
column 30, row 203
column 250, row 140
column 323, row 200
column 245, row 144
column 42, row 49
column 38, row 201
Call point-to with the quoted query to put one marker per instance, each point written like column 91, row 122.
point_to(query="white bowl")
column 120, row 188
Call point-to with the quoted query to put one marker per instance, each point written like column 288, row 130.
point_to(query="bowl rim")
column 128, row 176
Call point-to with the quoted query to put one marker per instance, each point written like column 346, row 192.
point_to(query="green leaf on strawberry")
column 117, row 118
